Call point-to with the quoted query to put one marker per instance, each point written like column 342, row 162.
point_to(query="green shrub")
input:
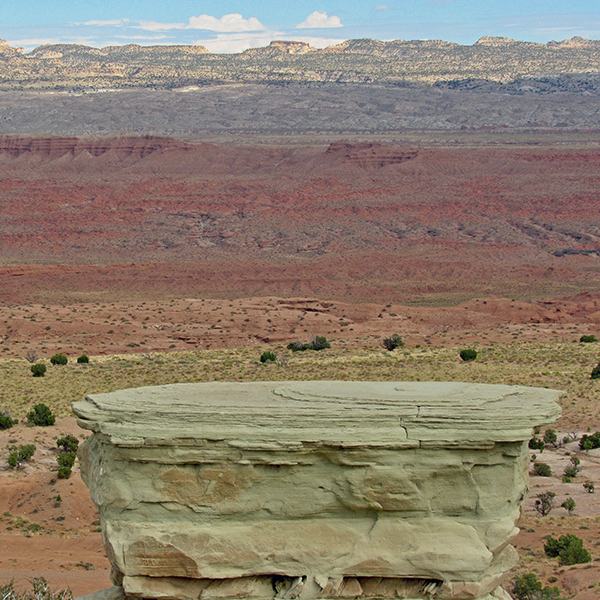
column 535, row 443
column 569, row 549
column 544, row 502
column 5, row 422
column 83, row 359
column 527, row 587
column 588, row 339
column 589, row 487
column 63, row 472
column 569, row 505
column 571, row 471
column 393, row 342
column 542, row 469
column 319, row 343
column 38, row 370
column 41, row 416
column 59, row 359
column 69, row 443
column 468, row 354
column 550, row 437
column 297, row 346
column 66, row 459
column 590, row 442
column 595, row 372
column 20, row 455
column 267, row 357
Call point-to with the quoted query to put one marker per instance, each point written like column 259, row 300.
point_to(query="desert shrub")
column 595, row 372
column 5, row 422
column 468, row 354
column 527, row 587
column 393, row 342
column 63, row 472
column 569, row 505
column 38, row 370
column 83, row 359
column 589, row 487
column 20, row 455
column 69, row 443
column 542, row 469
column 41, row 591
column 571, row 471
column 550, row 437
column 569, row 549
column 588, row 339
column 544, row 502
column 66, row 459
column 319, row 343
column 59, row 359
column 41, row 416
column 590, row 442
column 267, row 356
column 535, row 443
column 297, row 346
column 31, row 356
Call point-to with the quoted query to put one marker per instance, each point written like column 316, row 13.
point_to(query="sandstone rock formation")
column 311, row 489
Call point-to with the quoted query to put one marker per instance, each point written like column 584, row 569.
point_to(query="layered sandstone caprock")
column 311, row 489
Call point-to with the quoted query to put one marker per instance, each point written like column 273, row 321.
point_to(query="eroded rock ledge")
column 311, row 489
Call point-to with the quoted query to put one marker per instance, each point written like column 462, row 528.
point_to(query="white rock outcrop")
column 311, row 489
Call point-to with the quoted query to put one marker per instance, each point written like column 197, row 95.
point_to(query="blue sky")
column 233, row 25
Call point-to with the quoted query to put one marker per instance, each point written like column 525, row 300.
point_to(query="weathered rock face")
column 311, row 489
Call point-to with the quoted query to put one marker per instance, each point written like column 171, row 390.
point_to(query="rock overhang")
column 311, row 489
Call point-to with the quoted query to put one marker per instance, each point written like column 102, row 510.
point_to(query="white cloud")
column 107, row 23
column 319, row 19
column 226, row 24
column 154, row 26
column 382, row 7
column 233, row 23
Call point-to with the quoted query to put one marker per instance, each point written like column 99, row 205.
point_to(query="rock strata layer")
column 311, row 489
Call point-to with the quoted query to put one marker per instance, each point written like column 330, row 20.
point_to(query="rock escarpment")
column 311, row 489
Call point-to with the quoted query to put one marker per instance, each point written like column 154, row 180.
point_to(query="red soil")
column 146, row 218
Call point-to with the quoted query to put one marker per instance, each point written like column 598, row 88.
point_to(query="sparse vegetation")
column 268, row 357
column 468, row 354
column 568, row 548
column 550, row 437
column 589, row 487
column 393, row 342
column 41, row 416
column 41, row 591
column 31, row 356
column 6, row 421
column 544, row 503
column 595, row 374
column 319, row 342
column 38, row 370
column 542, row 469
column 59, row 359
column 19, row 456
column 588, row 339
column 590, row 442
column 569, row 505
column 527, row 587
column 535, row 443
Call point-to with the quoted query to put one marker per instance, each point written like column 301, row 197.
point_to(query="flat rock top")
column 345, row 413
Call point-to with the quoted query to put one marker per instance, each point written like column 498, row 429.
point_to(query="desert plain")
column 168, row 260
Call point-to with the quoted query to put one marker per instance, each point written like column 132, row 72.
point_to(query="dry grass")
column 564, row 366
